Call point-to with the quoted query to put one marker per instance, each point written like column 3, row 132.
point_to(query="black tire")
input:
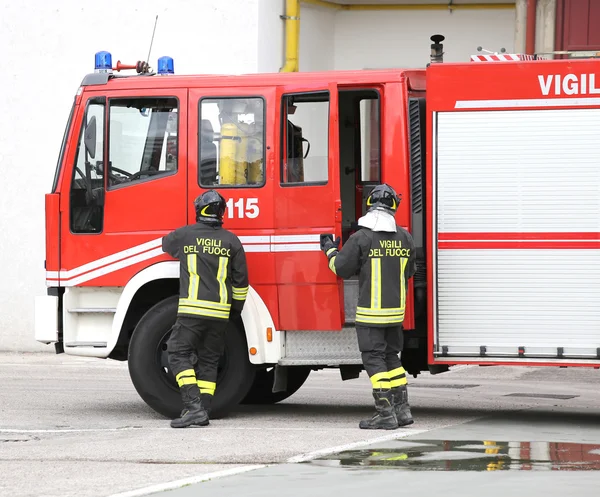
column 260, row 392
column 152, row 377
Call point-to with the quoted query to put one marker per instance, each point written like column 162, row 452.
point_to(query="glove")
column 327, row 244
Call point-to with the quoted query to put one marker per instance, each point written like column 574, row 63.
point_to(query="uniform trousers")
column 194, row 349
column 380, row 348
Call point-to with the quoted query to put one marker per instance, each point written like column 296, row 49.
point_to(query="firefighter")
column 383, row 255
column 212, row 290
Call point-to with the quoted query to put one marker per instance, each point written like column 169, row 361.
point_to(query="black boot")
column 193, row 412
column 385, row 418
column 206, row 401
column 401, row 407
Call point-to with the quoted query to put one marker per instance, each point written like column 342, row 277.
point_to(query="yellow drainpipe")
column 292, row 35
column 429, row 6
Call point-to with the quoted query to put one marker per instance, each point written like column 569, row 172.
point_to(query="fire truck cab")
column 496, row 161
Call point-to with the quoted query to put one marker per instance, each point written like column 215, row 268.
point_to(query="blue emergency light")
column 165, row 65
column 103, row 62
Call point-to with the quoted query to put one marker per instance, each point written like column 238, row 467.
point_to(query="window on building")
column 142, row 142
column 370, row 125
column 231, row 142
column 87, row 184
column 305, row 137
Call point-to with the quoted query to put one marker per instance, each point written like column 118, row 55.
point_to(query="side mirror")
column 89, row 137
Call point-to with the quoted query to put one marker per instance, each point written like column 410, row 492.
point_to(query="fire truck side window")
column 142, row 139
column 305, row 139
column 87, row 185
column 231, row 138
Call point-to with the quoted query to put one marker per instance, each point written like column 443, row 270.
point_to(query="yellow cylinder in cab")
column 228, row 154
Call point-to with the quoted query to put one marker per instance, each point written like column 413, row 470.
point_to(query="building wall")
column 271, row 35
column 317, row 38
column 47, row 49
column 384, row 39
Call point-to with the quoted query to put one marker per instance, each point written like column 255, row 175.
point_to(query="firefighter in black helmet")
column 212, row 290
column 383, row 255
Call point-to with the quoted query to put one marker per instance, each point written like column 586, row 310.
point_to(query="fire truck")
column 497, row 160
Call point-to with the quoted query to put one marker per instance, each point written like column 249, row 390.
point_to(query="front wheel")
column 152, row 377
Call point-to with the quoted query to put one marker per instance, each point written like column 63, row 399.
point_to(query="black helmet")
column 210, row 207
column 383, row 197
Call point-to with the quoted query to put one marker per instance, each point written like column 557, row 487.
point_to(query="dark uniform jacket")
column 384, row 261
column 213, row 276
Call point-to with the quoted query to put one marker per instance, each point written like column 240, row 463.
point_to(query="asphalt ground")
column 76, row 426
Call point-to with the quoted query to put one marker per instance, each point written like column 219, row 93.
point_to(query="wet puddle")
column 470, row 455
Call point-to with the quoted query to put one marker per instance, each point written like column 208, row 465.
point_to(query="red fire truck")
column 497, row 160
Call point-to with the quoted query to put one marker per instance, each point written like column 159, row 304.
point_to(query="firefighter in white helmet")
column 383, row 255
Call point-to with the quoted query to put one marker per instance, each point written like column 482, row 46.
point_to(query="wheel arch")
column 149, row 286
column 161, row 280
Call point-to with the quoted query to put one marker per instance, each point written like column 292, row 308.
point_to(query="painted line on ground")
column 173, row 485
column 72, row 430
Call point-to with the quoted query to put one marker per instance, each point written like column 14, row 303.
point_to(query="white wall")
column 384, row 39
column 47, row 48
column 271, row 35
column 317, row 38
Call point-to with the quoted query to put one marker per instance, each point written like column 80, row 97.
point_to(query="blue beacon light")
column 165, row 66
column 103, row 62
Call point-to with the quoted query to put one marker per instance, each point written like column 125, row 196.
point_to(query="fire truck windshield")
column 142, row 138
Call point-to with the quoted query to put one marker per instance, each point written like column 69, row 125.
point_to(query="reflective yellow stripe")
column 397, row 372
column 187, row 372
column 387, row 311
column 375, row 283
column 332, row 264
column 398, row 382
column 239, row 293
column 207, row 387
column 379, row 320
column 403, row 262
column 332, row 249
column 380, row 380
column 194, row 278
column 199, row 311
column 186, row 381
column 221, row 276
column 187, row 377
column 205, row 303
column 207, row 384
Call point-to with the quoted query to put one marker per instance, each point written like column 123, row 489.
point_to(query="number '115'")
column 243, row 207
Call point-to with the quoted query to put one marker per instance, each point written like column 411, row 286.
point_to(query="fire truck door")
column 232, row 149
column 307, row 196
column 126, row 187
